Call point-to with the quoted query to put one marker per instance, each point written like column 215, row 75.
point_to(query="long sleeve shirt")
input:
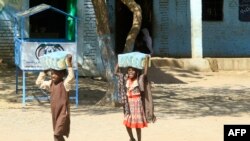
column 68, row 82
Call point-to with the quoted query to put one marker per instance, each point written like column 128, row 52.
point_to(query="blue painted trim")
column 22, row 27
column 76, row 38
column 45, row 40
column 17, row 79
column 37, row 97
column 24, row 90
column 62, row 12
column 47, row 98
column 76, row 97
column 50, row 7
column 72, row 97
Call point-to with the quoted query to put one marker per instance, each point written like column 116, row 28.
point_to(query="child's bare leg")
column 138, row 132
column 130, row 133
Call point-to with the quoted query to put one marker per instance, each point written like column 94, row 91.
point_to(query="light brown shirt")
column 68, row 82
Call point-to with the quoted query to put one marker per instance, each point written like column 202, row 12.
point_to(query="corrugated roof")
column 40, row 8
column 33, row 10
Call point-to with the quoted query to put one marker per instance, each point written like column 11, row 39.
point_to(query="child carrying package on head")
column 134, row 92
column 59, row 97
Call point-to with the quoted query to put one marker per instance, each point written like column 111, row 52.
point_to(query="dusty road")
column 190, row 106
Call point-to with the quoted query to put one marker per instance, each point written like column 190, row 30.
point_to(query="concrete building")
column 194, row 29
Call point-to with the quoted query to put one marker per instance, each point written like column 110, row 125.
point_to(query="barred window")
column 212, row 10
column 244, row 10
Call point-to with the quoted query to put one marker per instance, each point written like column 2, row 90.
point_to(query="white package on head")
column 133, row 59
column 55, row 60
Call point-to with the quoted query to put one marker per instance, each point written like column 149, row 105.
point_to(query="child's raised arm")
column 40, row 81
column 68, row 82
column 69, row 60
column 146, row 65
column 116, row 69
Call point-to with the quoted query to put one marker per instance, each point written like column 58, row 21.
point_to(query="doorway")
column 124, row 19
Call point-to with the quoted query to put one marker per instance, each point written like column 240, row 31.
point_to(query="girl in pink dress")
column 131, row 95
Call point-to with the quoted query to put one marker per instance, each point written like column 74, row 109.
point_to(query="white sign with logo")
column 29, row 52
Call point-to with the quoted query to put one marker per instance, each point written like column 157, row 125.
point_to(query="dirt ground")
column 190, row 106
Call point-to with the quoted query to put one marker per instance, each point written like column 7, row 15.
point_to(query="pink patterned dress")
column 136, row 117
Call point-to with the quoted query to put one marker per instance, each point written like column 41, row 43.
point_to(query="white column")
column 196, row 28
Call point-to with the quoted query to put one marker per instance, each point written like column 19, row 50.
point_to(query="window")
column 212, row 10
column 48, row 24
column 244, row 10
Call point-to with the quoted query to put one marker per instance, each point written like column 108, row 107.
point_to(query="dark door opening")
column 124, row 19
column 48, row 24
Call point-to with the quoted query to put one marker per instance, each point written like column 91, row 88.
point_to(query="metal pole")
column 24, row 87
column 76, row 100
column 76, row 97
column 16, row 80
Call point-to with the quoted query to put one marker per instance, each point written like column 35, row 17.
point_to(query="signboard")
column 29, row 53
column 244, row 10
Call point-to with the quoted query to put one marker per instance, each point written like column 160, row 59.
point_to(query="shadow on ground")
column 158, row 76
column 191, row 102
column 164, row 75
column 172, row 97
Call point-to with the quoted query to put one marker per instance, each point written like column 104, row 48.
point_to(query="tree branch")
column 137, row 18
